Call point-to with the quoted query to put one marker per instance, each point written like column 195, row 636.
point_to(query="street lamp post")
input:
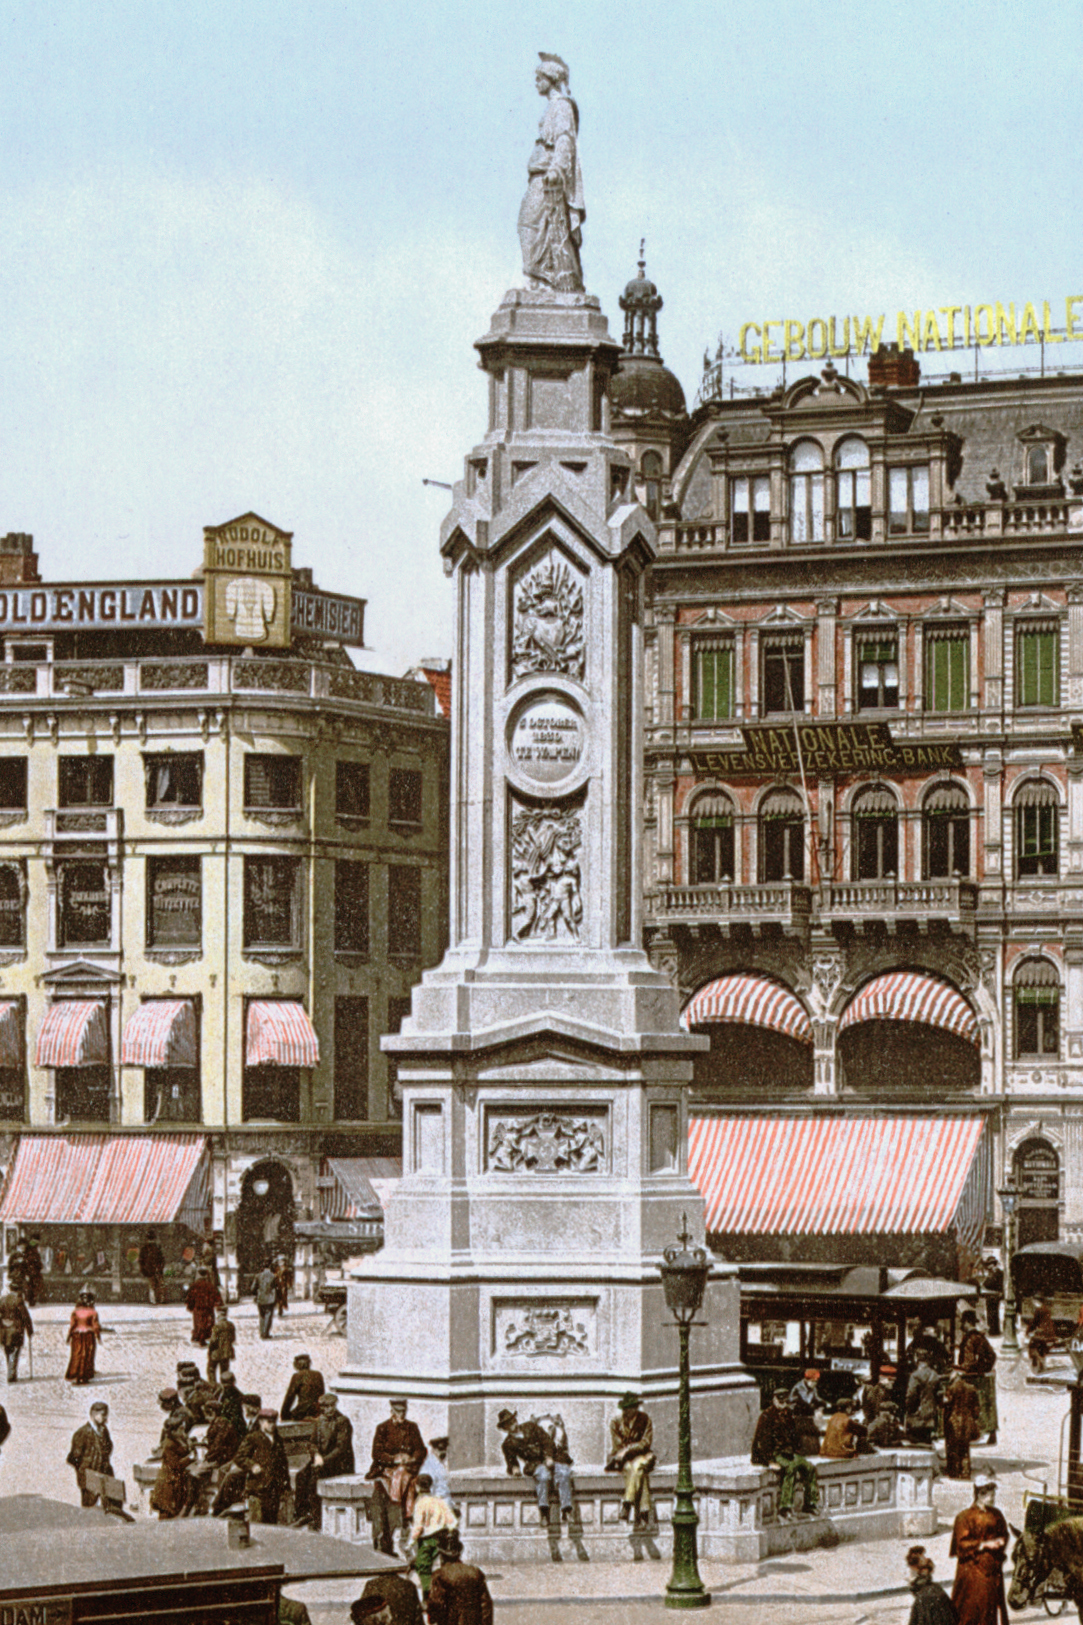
column 1009, row 1197
column 684, row 1281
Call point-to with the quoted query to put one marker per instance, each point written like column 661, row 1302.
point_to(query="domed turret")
column 642, row 385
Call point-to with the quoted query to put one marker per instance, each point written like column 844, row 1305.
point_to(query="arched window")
column 651, row 470
column 1038, row 464
column 1037, row 830
column 782, row 836
column 712, row 840
column 806, row 492
column 875, row 842
column 1036, row 990
column 946, row 819
column 853, row 503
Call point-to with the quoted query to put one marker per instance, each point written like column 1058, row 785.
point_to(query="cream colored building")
column 222, row 868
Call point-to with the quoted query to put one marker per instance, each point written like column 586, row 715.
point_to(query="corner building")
column 864, row 790
column 222, row 868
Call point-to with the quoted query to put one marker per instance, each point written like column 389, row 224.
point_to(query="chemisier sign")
column 941, row 327
column 827, row 748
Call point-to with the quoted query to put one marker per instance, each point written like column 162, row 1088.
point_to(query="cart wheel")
column 1054, row 1606
column 338, row 1324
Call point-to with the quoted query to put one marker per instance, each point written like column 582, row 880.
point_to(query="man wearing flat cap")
column 631, row 1435
column 397, row 1453
column 331, row 1453
column 260, row 1465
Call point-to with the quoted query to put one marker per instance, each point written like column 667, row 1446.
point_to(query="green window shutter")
column 1028, row 669
column 947, row 673
column 1039, row 658
column 714, row 683
column 1047, row 668
column 958, row 649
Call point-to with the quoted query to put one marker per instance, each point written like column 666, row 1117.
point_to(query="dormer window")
column 806, row 492
column 908, row 500
column 853, row 503
column 1040, row 460
column 1038, row 471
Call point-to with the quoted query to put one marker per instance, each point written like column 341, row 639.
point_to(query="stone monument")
column 544, row 1075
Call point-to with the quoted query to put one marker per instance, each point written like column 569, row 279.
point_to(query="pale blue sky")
column 245, row 247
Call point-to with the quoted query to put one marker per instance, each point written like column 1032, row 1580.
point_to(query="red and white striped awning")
column 162, row 1032
column 12, row 1053
column 751, row 1000
column 75, row 1032
column 107, row 1179
column 352, row 1186
column 906, row 996
column 838, row 1176
column 279, row 1033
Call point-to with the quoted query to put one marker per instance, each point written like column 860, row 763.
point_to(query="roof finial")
column 642, row 255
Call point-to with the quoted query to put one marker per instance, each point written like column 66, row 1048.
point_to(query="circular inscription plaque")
column 548, row 737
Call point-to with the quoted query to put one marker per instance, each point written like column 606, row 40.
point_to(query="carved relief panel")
column 548, row 1327
column 546, row 878
column 546, row 1142
column 547, row 631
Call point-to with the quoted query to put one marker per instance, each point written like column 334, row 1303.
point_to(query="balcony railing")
column 956, row 521
column 788, row 903
column 913, row 899
column 785, row 901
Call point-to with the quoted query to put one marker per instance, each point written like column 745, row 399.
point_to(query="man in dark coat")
column 398, row 1596
column 961, row 1424
column 977, row 1361
column 222, row 1344
column 91, row 1450
column 303, row 1393
column 397, row 1453
column 152, row 1267
column 232, row 1403
column 994, row 1291
column 774, row 1444
column 175, row 1416
column 261, row 1468
column 979, row 1542
column 222, row 1439
column 331, row 1449
column 33, row 1270
column 885, row 1431
column 459, row 1594
column 265, row 1300
column 922, row 1402
column 174, row 1489
column 542, row 1455
column 15, row 1325
column 202, row 1301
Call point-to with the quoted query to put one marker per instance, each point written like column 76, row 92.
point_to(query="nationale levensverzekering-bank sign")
column 826, row 749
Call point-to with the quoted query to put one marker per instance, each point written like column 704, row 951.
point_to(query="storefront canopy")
column 751, row 1000
column 75, row 1032
column 819, row 1176
column 107, row 1179
column 351, row 1186
column 162, row 1032
column 11, row 1035
column 279, row 1033
column 906, row 996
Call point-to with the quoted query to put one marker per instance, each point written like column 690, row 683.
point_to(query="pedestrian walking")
column 977, row 1361
column 994, row 1293
column 33, row 1270
column 459, row 1594
column 774, row 1444
column 979, row 1543
column 331, row 1448
column 265, row 1300
column 91, row 1451
column 152, row 1267
column 961, row 1424
column 397, row 1453
column 631, row 1436
column 303, row 1394
column 221, row 1345
column 15, row 1326
column 283, row 1275
column 432, row 1518
column 543, row 1456
column 202, row 1299
column 84, row 1335
column 931, row 1605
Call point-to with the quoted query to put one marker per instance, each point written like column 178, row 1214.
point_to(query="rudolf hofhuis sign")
column 247, row 579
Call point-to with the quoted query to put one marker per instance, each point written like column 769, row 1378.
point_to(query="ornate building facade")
column 223, row 865
column 864, row 775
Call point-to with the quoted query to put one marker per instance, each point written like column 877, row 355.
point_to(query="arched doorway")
column 907, row 1033
column 264, row 1218
column 1037, row 1179
column 761, row 1038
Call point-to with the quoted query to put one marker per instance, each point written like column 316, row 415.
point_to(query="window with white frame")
column 1036, row 1000
column 712, row 840
column 807, row 492
column 908, row 500
column 1037, row 831
column 946, row 819
column 875, row 842
column 853, row 499
column 782, row 836
column 750, row 508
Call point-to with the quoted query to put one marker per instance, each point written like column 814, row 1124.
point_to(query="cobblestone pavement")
column 856, row 1584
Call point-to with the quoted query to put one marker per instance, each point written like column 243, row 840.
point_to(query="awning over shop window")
column 904, row 996
column 279, row 1033
column 841, row 1176
column 75, row 1032
column 351, row 1187
column 751, row 1000
column 162, row 1032
column 11, row 1035
column 107, row 1179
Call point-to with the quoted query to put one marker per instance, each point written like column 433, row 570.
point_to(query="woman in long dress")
column 552, row 211
column 84, row 1333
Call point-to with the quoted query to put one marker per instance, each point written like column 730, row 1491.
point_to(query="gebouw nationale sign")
column 827, row 748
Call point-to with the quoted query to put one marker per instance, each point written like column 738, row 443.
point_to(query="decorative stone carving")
column 273, row 820
column 826, row 978
column 560, row 1327
column 170, row 674
column 283, row 676
column 81, row 823
column 9, row 818
column 547, row 740
column 546, row 1143
column 269, row 956
column 173, row 815
column 548, row 634
column 547, row 903
column 172, row 956
column 18, row 679
column 88, row 679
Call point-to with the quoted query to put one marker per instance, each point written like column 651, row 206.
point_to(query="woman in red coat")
column 979, row 1541
column 84, row 1334
column 203, row 1299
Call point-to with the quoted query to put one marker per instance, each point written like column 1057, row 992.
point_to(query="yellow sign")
column 944, row 327
column 247, row 576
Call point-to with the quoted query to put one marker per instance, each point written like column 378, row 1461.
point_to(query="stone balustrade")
column 888, row 1495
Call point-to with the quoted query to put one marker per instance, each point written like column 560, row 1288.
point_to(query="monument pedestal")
column 543, row 1070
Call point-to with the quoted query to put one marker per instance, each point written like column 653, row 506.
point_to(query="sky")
column 246, row 246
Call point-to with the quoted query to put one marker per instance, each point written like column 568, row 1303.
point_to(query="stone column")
column 1074, row 696
column 993, row 603
column 826, row 612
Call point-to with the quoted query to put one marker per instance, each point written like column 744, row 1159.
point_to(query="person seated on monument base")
column 542, row 1454
column 774, row 1444
column 631, row 1436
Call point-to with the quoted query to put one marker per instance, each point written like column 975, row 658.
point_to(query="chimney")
column 893, row 368
column 18, row 561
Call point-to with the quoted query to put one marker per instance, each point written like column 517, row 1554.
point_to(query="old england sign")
column 824, row 749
